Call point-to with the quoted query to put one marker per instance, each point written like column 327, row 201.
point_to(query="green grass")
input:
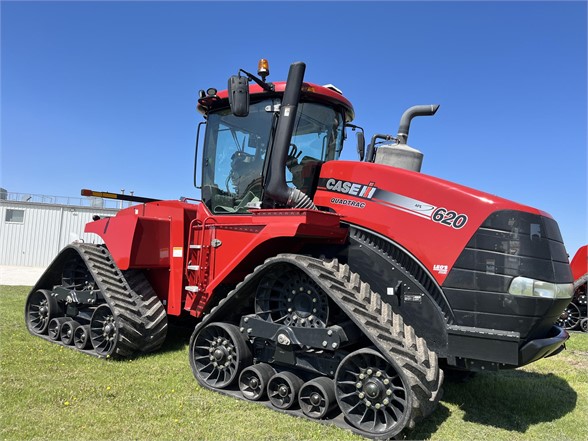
column 53, row 393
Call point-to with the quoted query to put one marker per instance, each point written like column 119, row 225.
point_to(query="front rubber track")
column 386, row 330
column 140, row 316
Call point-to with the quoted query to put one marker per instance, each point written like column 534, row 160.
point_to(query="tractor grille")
column 508, row 244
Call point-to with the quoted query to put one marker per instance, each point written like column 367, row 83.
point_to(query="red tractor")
column 574, row 316
column 324, row 288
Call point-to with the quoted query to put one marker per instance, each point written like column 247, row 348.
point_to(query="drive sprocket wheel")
column 290, row 297
column 218, row 354
column 76, row 276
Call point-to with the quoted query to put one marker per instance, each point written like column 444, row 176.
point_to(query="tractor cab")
column 240, row 145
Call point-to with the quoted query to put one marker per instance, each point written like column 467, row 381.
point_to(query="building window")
column 16, row 216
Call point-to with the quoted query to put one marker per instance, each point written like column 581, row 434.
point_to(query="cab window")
column 235, row 150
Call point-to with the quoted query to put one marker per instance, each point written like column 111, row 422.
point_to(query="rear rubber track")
column 386, row 330
column 139, row 314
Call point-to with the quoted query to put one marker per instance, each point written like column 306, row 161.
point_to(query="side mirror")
column 239, row 95
column 360, row 144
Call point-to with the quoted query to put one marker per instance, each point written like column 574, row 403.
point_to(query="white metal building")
column 34, row 228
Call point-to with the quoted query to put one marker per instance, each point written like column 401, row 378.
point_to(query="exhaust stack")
column 409, row 114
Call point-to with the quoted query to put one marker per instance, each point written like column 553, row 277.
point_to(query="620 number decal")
column 449, row 218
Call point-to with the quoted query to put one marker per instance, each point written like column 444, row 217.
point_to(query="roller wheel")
column 570, row 318
column 291, row 297
column 584, row 324
column 218, row 354
column 372, row 394
column 103, row 331
column 317, row 397
column 81, row 337
column 54, row 327
column 41, row 307
column 253, row 381
column 67, row 331
column 283, row 388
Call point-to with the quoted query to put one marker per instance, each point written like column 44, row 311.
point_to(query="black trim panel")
column 386, row 266
column 530, row 316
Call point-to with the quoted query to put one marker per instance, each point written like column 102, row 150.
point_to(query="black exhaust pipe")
column 409, row 114
column 276, row 187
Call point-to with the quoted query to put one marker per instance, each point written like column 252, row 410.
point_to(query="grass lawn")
column 53, row 393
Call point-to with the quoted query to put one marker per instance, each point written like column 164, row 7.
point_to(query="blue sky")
column 103, row 95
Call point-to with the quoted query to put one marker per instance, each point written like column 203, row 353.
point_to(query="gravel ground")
column 19, row 275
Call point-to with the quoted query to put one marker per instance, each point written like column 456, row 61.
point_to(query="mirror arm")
column 268, row 87
column 360, row 139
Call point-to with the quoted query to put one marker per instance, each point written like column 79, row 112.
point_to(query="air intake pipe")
column 276, row 187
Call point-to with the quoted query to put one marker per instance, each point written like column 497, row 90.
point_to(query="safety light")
column 211, row 91
column 263, row 68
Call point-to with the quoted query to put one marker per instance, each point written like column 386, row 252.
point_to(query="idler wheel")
column 103, row 331
column 218, row 354
column 372, row 393
column 40, row 308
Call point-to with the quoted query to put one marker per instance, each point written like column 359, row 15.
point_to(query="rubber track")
column 140, row 316
column 396, row 340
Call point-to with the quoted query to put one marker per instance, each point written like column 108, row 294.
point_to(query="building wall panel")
column 45, row 230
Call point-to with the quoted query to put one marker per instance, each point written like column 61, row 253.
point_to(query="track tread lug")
column 396, row 340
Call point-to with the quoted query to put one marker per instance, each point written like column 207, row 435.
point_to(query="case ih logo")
column 351, row 188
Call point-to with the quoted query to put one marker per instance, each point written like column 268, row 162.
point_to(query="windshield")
column 317, row 137
column 235, row 150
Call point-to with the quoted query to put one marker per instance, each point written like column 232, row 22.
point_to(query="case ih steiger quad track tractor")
column 324, row 288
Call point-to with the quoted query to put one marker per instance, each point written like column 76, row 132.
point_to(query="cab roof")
column 310, row 92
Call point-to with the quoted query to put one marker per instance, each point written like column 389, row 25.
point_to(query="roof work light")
column 263, row 68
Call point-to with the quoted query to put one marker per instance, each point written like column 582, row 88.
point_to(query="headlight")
column 522, row 286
